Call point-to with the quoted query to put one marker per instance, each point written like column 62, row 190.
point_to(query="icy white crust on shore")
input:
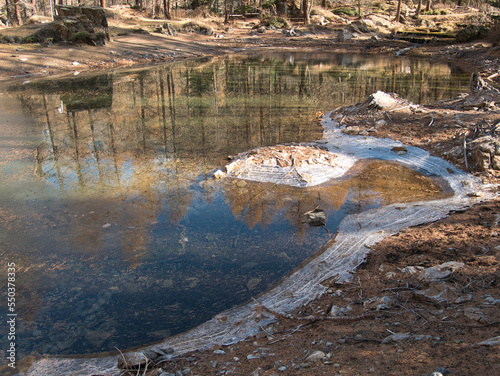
column 294, row 165
column 356, row 234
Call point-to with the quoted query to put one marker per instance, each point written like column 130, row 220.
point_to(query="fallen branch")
column 311, row 319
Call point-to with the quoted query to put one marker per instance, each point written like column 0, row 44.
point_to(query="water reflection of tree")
column 153, row 133
column 372, row 183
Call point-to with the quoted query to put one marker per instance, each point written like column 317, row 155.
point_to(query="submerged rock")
column 316, row 217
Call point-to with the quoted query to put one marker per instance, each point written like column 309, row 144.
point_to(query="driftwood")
column 477, row 83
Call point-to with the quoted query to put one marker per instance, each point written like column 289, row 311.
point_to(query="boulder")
column 485, row 153
column 345, row 35
column 87, row 25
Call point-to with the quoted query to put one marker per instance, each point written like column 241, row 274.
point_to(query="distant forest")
column 18, row 12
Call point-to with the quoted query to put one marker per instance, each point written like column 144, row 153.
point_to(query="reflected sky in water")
column 107, row 206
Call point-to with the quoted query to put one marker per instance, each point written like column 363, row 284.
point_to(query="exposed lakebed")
column 119, row 233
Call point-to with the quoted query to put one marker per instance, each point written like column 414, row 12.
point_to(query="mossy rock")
column 470, row 33
column 345, row 11
column 277, row 22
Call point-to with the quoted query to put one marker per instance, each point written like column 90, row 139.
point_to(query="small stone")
column 440, row 371
column 440, row 271
column 475, row 314
column 400, row 150
column 219, row 174
column 409, row 270
column 219, row 352
column 475, row 194
column 106, row 225
column 241, row 183
column 316, row 356
column 351, row 130
column 396, row 337
column 495, row 341
column 316, row 217
column 252, row 356
column 438, row 292
column 132, row 360
column 282, row 369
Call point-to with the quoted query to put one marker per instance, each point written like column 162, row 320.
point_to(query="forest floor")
column 391, row 320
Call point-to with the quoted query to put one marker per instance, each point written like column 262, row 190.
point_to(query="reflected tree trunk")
column 115, row 155
column 95, row 146
column 74, row 131
column 52, row 143
column 163, row 113
column 171, row 105
column 143, row 115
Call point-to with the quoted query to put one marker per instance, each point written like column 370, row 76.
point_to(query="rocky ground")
column 426, row 299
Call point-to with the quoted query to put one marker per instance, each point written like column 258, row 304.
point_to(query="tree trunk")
column 419, row 8
column 18, row 19
column 166, row 9
column 398, row 11
column 428, row 6
column 305, row 11
column 103, row 3
column 226, row 15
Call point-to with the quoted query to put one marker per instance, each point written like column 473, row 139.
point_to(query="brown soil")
column 353, row 342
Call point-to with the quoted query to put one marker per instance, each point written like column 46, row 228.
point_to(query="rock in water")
column 316, row 217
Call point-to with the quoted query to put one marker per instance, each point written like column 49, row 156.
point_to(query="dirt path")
column 133, row 49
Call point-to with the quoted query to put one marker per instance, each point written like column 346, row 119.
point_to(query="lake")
column 119, row 233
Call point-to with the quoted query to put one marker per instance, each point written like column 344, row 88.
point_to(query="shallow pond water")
column 119, row 234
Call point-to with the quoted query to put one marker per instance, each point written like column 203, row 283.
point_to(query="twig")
column 365, row 340
column 492, row 76
column 265, row 331
column 392, row 289
column 305, row 356
column 312, row 319
column 465, row 152
column 432, row 121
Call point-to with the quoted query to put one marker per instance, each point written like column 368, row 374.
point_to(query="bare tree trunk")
column 166, row 9
column 17, row 9
column 306, row 6
column 226, row 15
column 419, row 8
column 398, row 11
column 428, row 6
column 103, row 3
